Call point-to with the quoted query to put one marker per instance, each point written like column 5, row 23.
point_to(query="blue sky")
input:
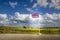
column 7, row 7
column 45, row 8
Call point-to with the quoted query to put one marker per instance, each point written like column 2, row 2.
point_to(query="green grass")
column 20, row 30
column 50, row 30
column 17, row 30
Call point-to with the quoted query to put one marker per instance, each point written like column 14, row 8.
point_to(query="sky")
column 19, row 13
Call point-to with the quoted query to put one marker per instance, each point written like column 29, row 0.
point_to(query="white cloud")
column 51, row 20
column 29, row 9
column 35, row 5
column 19, row 16
column 3, row 19
column 13, row 4
column 46, row 20
column 19, row 19
column 42, row 2
column 55, row 3
column 3, row 16
column 53, row 16
column 14, row 22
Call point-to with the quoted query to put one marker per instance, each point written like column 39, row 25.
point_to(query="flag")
column 35, row 15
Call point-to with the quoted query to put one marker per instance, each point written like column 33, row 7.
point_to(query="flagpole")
column 39, row 30
column 39, row 27
column 36, row 16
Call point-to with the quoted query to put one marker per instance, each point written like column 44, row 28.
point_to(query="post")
column 39, row 30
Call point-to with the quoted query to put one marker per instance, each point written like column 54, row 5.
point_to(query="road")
column 28, row 37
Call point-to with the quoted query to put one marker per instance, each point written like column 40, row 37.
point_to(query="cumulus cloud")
column 13, row 4
column 42, row 2
column 20, row 19
column 19, row 16
column 3, row 19
column 46, row 20
column 51, row 20
column 3, row 16
column 55, row 3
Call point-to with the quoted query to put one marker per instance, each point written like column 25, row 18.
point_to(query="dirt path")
column 28, row 37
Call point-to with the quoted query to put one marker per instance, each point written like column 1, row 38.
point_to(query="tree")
column 24, row 26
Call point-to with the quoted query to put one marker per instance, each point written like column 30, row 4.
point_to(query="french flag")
column 35, row 15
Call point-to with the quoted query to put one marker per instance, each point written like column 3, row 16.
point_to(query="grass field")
column 54, row 30
column 19, row 30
